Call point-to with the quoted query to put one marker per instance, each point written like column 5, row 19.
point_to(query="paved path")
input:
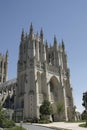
column 70, row 126
column 1, row 128
column 34, row 127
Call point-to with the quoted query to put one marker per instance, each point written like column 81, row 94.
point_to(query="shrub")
column 35, row 120
column 83, row 125
column 44, row 119
column 8, row 123
column 15, row 128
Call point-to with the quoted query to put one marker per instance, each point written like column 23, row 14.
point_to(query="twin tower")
column 42, row 74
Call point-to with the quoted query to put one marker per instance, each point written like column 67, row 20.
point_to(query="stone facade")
column 7, row 93
column 3, row 67
column 42, row 73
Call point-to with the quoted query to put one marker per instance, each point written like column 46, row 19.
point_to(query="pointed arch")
column 54, row 89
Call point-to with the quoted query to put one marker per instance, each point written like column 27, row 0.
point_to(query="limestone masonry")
column 42, row 74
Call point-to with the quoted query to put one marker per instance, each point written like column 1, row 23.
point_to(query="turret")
column 26, row 36
column 22, row 35
column 37, row 35
column 44, row 53
column 6, row 69
column 31, row 29
column 63, row 46
column 55, row 43
column 55, row 40
column 37, row 46
column 46, row 45
column 56, row 59
column 41, row 34
column 7, row 54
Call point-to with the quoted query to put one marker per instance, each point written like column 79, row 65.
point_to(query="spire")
column 46, row 44
column 7, row 54
column 55, row 40
column 31, row 29
column 22, row 35
column 41, row 34
column 37, row 35
column 63, row 46
column 26, row 36
column 50, row 45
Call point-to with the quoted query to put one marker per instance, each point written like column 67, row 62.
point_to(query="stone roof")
column 8, row 83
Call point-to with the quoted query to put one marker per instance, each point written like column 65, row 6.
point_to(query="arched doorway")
column 55, row 96
column 54, row 86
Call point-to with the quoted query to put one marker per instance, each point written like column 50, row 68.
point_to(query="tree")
column 83, row 115
column 85, row 104
column 4, row 122
column 60, row 108
column 46, row 108
column 2, row 117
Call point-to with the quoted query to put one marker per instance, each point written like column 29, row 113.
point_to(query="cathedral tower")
column 42, row 73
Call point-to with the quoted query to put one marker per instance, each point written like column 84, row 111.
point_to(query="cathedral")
column 42, row 74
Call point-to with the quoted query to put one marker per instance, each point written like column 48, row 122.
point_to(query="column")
column 48, row 89
column 37, row 99
column 66, row 115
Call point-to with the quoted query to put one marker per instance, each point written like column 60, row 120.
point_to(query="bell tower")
column 42, row 73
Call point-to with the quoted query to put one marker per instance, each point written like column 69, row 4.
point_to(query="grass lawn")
column 15, row 128
column 56, row 128
column 83, row 125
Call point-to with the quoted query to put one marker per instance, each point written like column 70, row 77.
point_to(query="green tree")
column 60, row 109
column 85, row 104
column 83, row 115
column 46, row 108
column 2, row 117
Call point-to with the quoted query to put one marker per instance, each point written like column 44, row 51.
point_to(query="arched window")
column 0, row 78
column 4, row 65
column 39, row 81
column 1, row 64
column 22, row 104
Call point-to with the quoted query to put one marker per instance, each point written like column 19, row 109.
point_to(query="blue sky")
column 67, row 19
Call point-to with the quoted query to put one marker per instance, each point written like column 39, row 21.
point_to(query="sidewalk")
column 1, row 128
column 70, row 126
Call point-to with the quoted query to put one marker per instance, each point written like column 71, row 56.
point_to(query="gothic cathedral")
column 42, row 74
